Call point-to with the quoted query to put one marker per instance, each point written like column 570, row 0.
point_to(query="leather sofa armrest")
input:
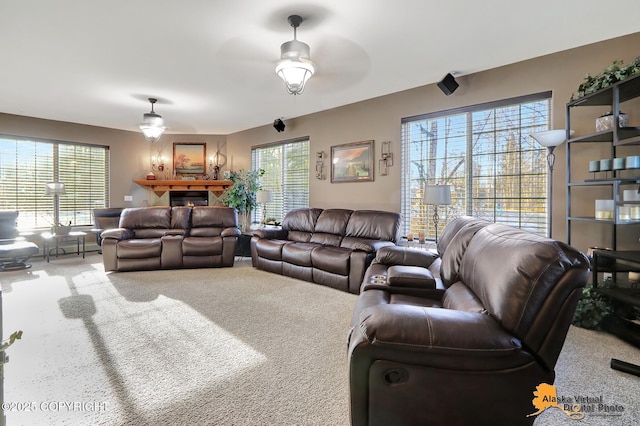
column 401, row 256
column 434, row 330
column 230, row 232
column 410, row 276
column 117, row 234
column 271, row 234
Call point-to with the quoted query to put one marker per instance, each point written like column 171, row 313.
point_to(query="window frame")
column 286, row 196
column 418, row 216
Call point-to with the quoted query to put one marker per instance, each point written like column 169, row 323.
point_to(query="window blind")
column 495, row 169
column 27, row 165
column 286, row 167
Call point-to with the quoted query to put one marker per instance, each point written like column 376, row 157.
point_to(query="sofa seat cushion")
column 202, row 246
column 459, row 297
column 410, row 276
column 331, row 259
column 270, row 249
column 140, row 248
column 298, row 253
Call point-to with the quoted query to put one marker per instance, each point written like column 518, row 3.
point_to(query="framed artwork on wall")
column 189, row 158
column 352, row 162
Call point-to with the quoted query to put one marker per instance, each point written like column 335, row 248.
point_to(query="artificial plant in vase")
column 242, row 194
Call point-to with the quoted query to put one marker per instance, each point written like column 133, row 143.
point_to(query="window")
column 286, row 166
column 26, row 165
column 495, row 169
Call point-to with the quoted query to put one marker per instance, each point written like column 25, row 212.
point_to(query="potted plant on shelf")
column 241, row 195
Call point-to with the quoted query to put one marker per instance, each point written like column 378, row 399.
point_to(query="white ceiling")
column 211, row 63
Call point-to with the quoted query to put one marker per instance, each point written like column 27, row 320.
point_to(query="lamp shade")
column 437, row 195
column 550, row 137
column 264, row 196
column 55, row 188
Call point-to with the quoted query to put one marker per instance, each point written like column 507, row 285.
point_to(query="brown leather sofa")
column 462, row 337
column 332, row 247
column 171, row 237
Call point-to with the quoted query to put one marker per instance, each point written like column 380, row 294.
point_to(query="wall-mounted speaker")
column 448, row 84
column 278, row 125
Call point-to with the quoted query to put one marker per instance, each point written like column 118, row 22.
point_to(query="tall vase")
column 244, row 221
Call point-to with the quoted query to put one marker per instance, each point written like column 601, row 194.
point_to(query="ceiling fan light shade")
column 151, row 132
column 295, row 74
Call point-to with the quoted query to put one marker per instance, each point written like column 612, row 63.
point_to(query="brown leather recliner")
column 465, row 336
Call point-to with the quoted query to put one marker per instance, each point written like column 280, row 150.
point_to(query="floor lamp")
column 437, row 195
column 263, row 197
column 550, row 139
column 56, row 189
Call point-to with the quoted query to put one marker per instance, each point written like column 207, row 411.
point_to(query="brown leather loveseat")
column 462, row 337
column 332, row 247
column 171, row 237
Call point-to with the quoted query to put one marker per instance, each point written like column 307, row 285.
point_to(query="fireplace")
column 188, row 198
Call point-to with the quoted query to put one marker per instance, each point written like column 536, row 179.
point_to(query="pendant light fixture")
column 152, row 127
column 295, row 66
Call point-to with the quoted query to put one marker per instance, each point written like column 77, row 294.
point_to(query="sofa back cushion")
column 513, row 272
column 180, row 217
column 374, row 225
column 331, row 227
column 366, row 228
column 301, row 223
column 146, row 222
column 107, row 218
column 210, row 221
column 458, row 236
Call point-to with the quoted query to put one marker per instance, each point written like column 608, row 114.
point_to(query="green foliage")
column 242, row 194
column 593, row 307
column 17, row 335
column 610, row 75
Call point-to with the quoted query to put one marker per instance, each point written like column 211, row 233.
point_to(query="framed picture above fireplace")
column 189, row 158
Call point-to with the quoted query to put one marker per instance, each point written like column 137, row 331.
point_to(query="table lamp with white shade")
column 263, row 197
column 437, row 195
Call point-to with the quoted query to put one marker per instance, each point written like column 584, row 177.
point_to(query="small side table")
column 243, row 246
column 77, row 236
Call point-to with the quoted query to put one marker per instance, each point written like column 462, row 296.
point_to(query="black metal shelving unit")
column 622, row 292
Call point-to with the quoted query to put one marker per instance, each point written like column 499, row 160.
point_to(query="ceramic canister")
column 594, row 166
column 618, row 163
column 633, row 162
column 605, row 164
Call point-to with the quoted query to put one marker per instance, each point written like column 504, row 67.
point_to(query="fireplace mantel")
column 159, row 187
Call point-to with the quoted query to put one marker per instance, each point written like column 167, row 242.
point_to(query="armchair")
column 466, row 342
column 14, row 250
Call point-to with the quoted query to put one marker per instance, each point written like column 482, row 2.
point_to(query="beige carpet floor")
column 229, row 346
